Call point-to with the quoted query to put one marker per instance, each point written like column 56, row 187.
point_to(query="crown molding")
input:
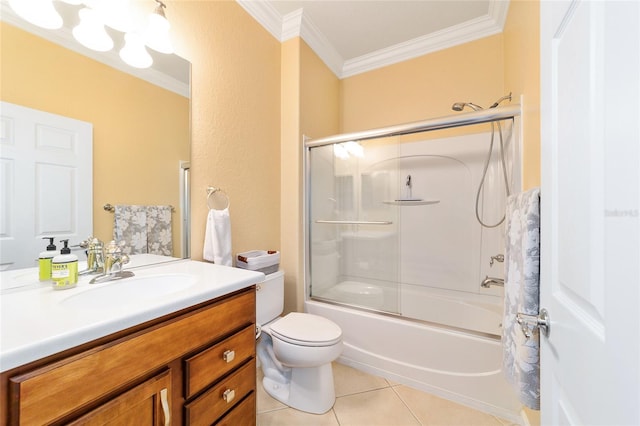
column 64, row 37
column 291, row 25
column 321, row 45
column 440, row 40
column 297, row 24
column 265, row 14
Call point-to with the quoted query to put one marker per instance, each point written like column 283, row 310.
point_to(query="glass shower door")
column 353, row 238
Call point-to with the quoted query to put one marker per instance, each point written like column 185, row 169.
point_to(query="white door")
column 46, row 182
column 590, row 91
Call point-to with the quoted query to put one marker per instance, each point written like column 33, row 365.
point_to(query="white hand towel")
column 217, row 237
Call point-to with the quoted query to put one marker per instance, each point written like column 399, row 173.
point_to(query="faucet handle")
column 497, row 258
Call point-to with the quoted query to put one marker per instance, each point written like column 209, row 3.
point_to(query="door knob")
column 529, row 322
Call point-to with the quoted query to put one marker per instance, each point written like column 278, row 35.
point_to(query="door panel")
column 590, row 71
column 47, row 183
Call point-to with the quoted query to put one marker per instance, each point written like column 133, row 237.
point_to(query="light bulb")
column 157, row 35
column 90, row 31
column 38, row 12
column 134, row 52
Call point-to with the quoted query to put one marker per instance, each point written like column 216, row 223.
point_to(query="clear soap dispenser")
column 44, row 260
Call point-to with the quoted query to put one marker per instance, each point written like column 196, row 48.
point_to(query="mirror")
column 140, row 119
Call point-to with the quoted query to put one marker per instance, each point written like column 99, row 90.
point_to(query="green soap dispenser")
column 44, row 260
column 64, row 268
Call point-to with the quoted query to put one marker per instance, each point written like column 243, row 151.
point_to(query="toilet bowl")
column 295, row 351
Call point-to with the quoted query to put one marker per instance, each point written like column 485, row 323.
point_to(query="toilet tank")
column 270, row 298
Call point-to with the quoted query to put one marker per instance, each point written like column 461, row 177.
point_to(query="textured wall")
column 235, row 118
column 424, row 87
column 522, row 76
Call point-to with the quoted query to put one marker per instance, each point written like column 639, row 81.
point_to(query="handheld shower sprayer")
column 496, row 103
column 459, row 106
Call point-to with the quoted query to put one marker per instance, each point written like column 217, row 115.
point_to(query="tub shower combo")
column 405, row 244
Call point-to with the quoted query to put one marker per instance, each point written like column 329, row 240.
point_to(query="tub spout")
column 489, row 281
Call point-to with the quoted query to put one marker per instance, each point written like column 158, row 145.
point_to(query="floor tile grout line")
column 272, row 410
column 363, row 391
column 335, row 416
column 406, row 405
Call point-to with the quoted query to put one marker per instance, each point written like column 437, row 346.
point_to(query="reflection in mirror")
column 140, row 134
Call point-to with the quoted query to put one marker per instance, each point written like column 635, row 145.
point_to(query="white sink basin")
column 129, row 291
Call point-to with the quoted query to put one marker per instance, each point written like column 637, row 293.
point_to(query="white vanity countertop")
column 37, row 321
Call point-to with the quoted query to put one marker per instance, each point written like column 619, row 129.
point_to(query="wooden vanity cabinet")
column 196, row 366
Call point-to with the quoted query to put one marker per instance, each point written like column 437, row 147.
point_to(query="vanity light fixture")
column 134, row 52
column 90, row 31
column 38, row 12
column 116, row 15
column 157, row 35
column 94, row 16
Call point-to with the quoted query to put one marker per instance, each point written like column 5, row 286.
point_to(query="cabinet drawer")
column 208, row 407
column 244, row 414
column 212, row 363
column 42, row 396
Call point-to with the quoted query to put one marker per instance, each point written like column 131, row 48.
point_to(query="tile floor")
column 366, row 400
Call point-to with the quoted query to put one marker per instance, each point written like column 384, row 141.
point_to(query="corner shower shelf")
column 416, row 202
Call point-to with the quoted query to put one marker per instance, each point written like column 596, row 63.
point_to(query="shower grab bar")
column 456, row 120
column 356, row 222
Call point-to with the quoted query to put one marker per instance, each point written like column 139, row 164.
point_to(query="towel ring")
column 210, row 191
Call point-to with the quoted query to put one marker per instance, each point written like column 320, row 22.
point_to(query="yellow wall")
column 310, row 107
column 522, row 76
column 290, row 174
column 424, row 87
column 235, row 118
column 140, row 131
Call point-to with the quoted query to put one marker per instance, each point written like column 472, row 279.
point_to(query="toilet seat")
column 306, row 330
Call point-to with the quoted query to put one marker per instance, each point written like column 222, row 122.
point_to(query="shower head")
column 459, row 106
column 496, row 103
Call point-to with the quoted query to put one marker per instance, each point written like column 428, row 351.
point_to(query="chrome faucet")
column 114, row 260
column 489, row 281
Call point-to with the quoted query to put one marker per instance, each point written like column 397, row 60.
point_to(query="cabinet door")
column 145, row 404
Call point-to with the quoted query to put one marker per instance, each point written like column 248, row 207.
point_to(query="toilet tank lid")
column 306, row 330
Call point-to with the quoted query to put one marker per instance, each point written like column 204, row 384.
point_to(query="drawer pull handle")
column 164, row 401
column 229, row 395
column 228, row 356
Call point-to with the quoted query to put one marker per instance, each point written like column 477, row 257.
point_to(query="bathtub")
column 460, row 366
column 467, row 311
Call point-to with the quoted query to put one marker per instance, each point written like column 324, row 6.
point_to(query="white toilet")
column 295, row 351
